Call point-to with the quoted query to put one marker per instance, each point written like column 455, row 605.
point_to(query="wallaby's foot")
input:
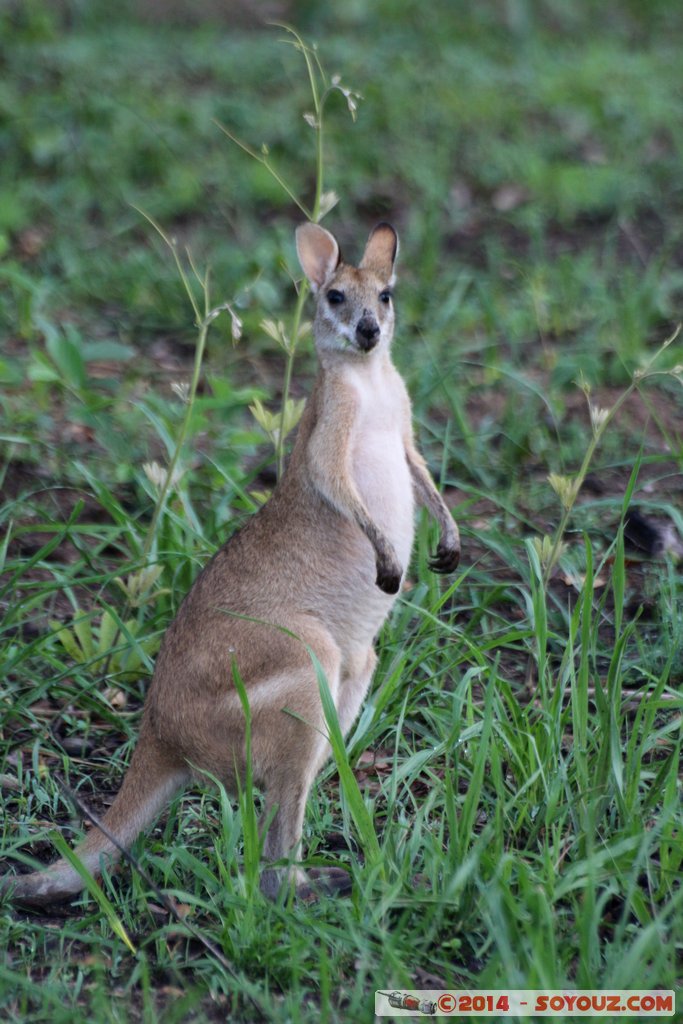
column 308, row 885
column 324, row 882
column 446, row 558
column 272, row 880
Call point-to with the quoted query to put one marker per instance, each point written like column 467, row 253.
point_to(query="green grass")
column 508, row 803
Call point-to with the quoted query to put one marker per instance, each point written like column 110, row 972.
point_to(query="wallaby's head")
column 355, row 309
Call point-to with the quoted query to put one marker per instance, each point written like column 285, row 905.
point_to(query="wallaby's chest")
column 379, row 466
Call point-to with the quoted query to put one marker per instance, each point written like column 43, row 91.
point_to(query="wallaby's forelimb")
column 448, row 549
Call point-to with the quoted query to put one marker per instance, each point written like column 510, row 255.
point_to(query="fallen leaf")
column 577, row 581
column 116, row 697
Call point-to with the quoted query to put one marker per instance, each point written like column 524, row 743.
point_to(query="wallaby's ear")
column 380, row 252
column 318, row 253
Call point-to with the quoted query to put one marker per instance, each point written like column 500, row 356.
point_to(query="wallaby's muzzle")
column 367, row 333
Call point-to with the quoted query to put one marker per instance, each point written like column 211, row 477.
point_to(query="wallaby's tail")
column 152, row 779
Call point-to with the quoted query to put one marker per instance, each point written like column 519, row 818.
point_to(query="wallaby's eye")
column 334, row 297
column 385, row 296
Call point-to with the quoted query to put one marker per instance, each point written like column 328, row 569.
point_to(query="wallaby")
column 318, row 567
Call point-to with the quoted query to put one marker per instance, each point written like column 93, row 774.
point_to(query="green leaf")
column 95, row 891
column 41, row 369
column 107, row 633
column 10, row 372
column 252, row 840
column 68, row 641
column 68, row 358
column 349, row 784
column 83, row 630
column 109, row 350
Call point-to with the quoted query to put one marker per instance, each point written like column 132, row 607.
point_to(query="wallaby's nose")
column 367, row 332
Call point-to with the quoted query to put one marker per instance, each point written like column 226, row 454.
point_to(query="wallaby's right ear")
column 318, row 253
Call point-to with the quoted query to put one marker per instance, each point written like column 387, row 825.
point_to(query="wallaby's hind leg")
column 356, row 676
column 284, row 835
column 288, row 756
column 354, row 681
column 305, row 749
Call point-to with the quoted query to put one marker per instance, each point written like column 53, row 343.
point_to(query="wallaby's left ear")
column 381, row 251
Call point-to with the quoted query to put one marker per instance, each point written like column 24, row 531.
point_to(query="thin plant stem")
column 182, row 435
column 319, row 105
column 261, row 159
column 320, row 93
column 203, row 323
column 587, row 459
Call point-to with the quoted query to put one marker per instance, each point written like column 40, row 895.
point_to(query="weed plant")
column 508, row 803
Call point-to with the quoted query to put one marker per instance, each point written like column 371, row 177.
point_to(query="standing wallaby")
column 318, row 567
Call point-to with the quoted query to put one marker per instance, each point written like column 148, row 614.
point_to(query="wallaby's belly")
column 349, row 598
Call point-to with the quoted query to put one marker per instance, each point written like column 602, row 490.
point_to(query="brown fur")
column 322, row 560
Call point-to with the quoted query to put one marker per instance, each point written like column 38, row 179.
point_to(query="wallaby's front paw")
column 389, row 578
column 446, row 558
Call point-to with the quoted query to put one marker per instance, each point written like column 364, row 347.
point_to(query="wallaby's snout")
column 367, row 332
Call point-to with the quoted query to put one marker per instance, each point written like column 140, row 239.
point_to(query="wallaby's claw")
column 445, row 560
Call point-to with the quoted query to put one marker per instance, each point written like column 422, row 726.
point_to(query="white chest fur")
column 379, row 466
